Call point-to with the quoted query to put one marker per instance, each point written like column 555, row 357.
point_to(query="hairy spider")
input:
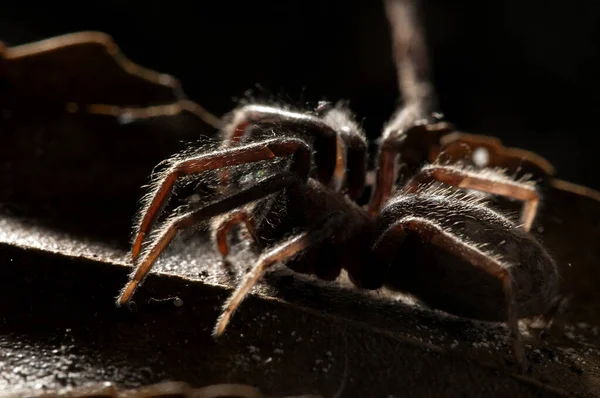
column 429, row 237
column 426, row 240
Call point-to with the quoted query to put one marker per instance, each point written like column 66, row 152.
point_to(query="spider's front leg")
column 157, row 246
column 250, row 153
column 340, row 148
column 243, row 120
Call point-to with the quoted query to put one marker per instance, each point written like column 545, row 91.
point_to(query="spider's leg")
column 513, row 320
column 494, row 184
column 325, row 137
column 353, row 170
column 225, row 225
column 157, row 246
column 434, row 234
column 219, row 159
column 411, row 59
column 274, row 255
column 387, row 156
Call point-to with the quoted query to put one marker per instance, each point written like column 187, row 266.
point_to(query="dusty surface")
column 69, row 184
column 59, row 326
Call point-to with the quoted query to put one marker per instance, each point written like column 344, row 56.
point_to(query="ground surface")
column 69, row 183
column 63, row 259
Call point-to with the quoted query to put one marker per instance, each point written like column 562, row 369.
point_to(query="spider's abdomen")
column 456, row 263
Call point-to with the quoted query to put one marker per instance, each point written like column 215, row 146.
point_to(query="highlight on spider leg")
column 266, row 261
column 172, row 227
column 143, row 268
column 488, row 181
column 271, row 257
column 250, row 153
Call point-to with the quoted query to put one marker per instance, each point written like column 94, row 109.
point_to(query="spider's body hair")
column 330, row 130
column 467, row 220
column 162, row 170
column 494, row 174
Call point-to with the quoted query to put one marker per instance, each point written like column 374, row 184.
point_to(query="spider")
column 425, row 235
column 422, row 230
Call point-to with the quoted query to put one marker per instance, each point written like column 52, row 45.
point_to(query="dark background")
column 526, row 71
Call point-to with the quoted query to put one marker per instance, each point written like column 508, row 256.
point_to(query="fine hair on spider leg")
column 278, row 253
column 499, row 271
column 340, row 144
column 249, row 153
column 486, row 180
column 165, row 235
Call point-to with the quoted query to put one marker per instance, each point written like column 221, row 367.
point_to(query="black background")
column 526, row 71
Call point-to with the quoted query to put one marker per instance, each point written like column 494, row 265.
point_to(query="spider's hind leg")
column 433, row 234
column 496, row 184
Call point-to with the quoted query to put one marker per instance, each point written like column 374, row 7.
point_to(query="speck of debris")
column 268, row 360
column 177, row 302
column 252, row 349
column 278, row 351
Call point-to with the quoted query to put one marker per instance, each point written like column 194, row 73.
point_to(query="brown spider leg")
column 387, row 158
column 249, row 153
column 353, row 169
column 407, row 124
column 434, row 234
column 234, row 218
column 411, row 59
column 280, row 252
column 326, row 141
column 497, row 185
column 158, row 245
